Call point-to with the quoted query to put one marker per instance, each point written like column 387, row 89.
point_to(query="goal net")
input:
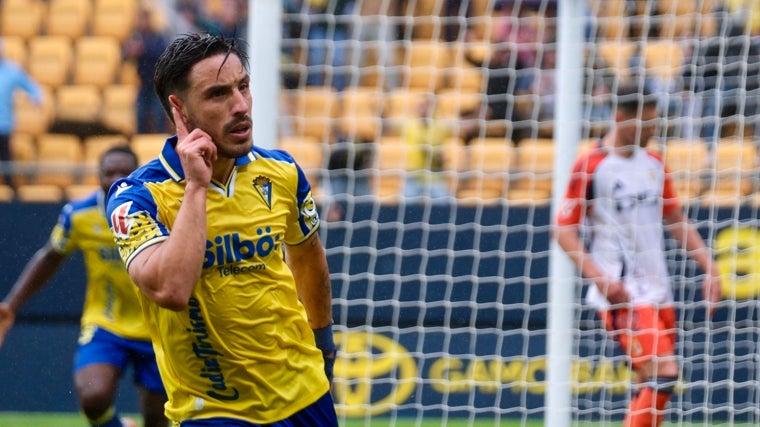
column 439, row 253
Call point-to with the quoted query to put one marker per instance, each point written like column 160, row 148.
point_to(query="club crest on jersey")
column 263, row 186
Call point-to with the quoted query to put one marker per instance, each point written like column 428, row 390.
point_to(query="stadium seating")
column 32, row 118
column 50, row 59
column 114, row 18
column 22, row 18
column 14, row 48
column 147, row 146
column 7, row 193
column 360, row 113
column 97, row 60
column 24, row 155
column 391, row 154
column 59, row 159
column 119, row 110
column 686, row 160
column 315, row 112
column 39, row 193
column 78, row 103
column 309, row 153
column 69, row 18
column 484, row 170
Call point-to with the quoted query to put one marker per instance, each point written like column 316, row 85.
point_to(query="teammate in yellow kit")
column 112, row 334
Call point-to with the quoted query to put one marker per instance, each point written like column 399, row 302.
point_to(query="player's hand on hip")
column 7, row 317
column 196, row 151
column 613, row 290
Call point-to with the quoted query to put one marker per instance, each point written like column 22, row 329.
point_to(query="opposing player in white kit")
column 611, row 225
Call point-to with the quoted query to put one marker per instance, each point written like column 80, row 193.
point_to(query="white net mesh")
column 439, row 253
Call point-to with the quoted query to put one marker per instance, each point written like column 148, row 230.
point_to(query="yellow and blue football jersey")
column 111, row 297
column 243, row 347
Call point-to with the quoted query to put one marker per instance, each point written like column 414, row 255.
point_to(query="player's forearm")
column 168, row 274
column 36, row 274
column 571, row 244
column 309, row 266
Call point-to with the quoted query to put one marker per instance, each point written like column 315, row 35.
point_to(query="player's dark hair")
column 634, row 95
column 121, row 149
column 174, row 64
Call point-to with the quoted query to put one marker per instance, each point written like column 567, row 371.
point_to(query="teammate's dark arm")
column 38, row 271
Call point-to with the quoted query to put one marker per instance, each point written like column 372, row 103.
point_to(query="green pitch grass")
column 48, row 419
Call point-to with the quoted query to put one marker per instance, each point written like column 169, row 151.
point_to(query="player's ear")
column 177, row 103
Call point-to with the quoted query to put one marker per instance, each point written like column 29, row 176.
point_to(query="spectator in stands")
column 375, row 30
column 113, row 334
column 542, row 91
column 425, row 137
column 231, row 21
column 187, row 19
column 513, row 50
column 328, row 42
column 144, row 47
column 611, row 225
column 723, row 75
column 12, row 77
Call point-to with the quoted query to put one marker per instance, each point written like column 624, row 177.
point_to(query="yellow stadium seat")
column 425, row 63
column 119, row 108
column 59, row 159
column 24, row 155
column 617, row 55
column 147, row 146
column 391, row 169
column 400, row 105
column 21, row 18
column 32, row 118
column 734, row 167
column 663, row 58
column 15, row 49
column 80, row 103
column 484, row 170
column 360, row 117
column 69, row 18
column 97, row 60
column 687, row 162
column 114, row 18
column 533, row 169
column 39, row 193
column 50, row 59
column 315, row 111
column 7, row 193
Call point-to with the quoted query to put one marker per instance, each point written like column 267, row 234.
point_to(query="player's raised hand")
column 7, row 317
column 196, row 151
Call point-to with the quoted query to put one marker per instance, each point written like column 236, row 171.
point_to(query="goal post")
column 562, row 283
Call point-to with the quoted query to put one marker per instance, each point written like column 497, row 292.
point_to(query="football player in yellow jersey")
column 112, row 333
column 221, row 238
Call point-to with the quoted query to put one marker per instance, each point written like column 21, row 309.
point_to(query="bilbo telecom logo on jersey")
column 373, row 374
column 737, row 251
column 231, row 248
column 263, row 186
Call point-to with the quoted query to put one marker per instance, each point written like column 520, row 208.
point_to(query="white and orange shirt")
column 619, row 203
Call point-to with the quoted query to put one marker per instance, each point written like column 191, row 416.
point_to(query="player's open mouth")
column 241, row 129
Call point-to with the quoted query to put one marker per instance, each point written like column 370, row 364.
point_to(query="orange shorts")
column 643, row 332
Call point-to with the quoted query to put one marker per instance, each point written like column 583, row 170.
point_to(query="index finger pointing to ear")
column 179, row 123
